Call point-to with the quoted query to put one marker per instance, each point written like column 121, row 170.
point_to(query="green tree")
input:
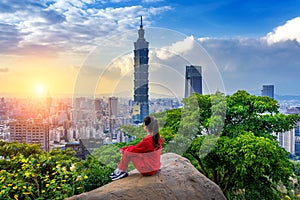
column 258, row 114
column 169, row 123
column 108, row 155
column 232, row 143
column 136, row 131
column 8, row 150
column 97, row 173
column 252, row 165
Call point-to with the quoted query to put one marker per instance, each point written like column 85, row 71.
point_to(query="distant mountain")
column 287, row 97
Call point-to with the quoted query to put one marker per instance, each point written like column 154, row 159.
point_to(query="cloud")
column 177, row 48
column 289, row 31
column 121, row 66
column 4, row 69
column 66, row 26
column 246, row 63
column 52, row 16
column 9, row 38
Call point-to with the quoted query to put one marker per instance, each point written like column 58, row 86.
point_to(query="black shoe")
column 115, row 173
column 119, row 176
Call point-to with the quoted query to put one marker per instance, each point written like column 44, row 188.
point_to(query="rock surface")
column 177, row 179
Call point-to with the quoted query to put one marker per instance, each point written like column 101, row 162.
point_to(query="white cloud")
column 61, row 26
column 122, row 65
column 249, row 63
column 289, row 31
column 158, row 10
column 177, row 48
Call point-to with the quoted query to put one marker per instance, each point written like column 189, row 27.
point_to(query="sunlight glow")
column 40, row 89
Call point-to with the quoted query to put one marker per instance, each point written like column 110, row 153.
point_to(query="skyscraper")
column 287, row 140
column 193, row 80
column 141, row 102
column 268, row 91
column 113, row 106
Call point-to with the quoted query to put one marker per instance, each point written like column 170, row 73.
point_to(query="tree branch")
column 201, row 164
column 227, row 184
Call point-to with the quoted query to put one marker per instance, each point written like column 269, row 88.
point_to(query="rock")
column 177, row 179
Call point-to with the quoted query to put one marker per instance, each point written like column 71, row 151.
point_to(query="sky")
column 60, row 47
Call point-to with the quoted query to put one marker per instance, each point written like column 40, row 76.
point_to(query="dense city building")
column 193, row 80
column 30, row 131
column 290, row 140
column 3, row 109
column 113, row 106
column 141, row 97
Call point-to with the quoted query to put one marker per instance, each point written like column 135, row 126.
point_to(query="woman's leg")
column 126, row 158
column 138, row 161
column 135, row 158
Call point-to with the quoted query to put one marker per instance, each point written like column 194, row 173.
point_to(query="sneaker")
column 120, row 175
column 115, row 173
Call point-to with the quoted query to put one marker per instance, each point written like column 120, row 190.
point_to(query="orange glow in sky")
column 30, row 76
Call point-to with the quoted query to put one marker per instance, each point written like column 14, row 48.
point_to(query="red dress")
column 144, row 156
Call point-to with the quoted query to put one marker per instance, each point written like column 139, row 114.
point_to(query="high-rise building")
column 287, row 140
column 141, row 97
column 32, row 131
column 296, row 130
column 98, row 104
column 113, row 106
column 268, row 91
column 49, row 101
column 193, row 80
column 297, row 139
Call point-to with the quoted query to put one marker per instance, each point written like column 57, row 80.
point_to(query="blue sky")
column 229, row 18
column 251, row 42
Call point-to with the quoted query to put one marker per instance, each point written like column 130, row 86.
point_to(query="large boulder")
column 177, row 179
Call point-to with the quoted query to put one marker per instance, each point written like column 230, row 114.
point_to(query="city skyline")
column 44, row 44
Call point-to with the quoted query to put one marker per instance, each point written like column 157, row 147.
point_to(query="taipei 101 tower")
column 141, row 74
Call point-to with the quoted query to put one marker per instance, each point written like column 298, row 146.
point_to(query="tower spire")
column 141, row 30
column 141, row 26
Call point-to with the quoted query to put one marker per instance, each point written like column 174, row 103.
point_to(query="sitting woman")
column 145, row 155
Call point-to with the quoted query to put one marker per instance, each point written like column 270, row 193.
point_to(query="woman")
column 145, row 155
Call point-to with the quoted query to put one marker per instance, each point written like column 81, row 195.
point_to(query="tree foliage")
column 246, row 163
column 258, row 114
column 232, row 143
column 136, row 131
column 27, row 172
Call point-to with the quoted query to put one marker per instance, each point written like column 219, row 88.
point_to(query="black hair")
column 152, row 125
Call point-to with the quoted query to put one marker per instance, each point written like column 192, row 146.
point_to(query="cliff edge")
column 177, row 179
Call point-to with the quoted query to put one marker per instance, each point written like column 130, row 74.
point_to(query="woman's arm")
column 146, row 145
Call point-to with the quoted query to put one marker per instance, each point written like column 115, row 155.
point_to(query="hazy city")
column 79, row 77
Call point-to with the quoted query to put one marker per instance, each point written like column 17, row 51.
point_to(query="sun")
column 40, row 89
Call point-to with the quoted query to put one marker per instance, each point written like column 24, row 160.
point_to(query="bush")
column 47, row 175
